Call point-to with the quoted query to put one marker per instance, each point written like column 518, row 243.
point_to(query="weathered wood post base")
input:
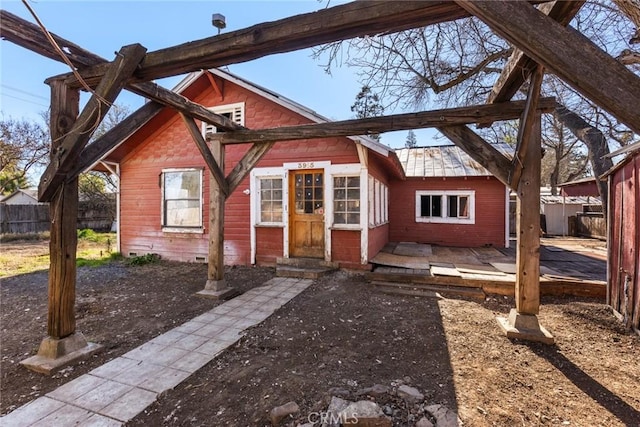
column 218, row 290
column 56, row 354
column 524, row 327
column 216, row 287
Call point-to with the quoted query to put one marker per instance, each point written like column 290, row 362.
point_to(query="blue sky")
column 103, row 27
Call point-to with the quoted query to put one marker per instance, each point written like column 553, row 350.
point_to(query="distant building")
column 23, row 196
column 580, row 187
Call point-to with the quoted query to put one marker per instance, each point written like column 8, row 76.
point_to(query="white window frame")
column 358, row 225
column 385, row 204
column 237, row 115
column 258, row 200
column 471, row 194
column 178, row 229
column 378, row 202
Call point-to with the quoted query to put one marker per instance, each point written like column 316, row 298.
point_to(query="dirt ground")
column 337, row 338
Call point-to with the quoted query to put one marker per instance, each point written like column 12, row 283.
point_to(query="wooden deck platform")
column 475, row 272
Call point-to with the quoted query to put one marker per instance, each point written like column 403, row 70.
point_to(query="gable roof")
column 187, row 87
column 444, row 161
column 29, row 192
column 280, row 100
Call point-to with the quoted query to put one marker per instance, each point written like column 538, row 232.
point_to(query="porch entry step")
column 307, row 263
column 417, row 289
column 302, row 272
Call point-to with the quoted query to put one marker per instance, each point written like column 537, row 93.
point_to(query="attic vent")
column 234, row 112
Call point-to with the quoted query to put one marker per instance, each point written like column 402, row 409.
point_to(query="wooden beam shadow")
column 613, row 403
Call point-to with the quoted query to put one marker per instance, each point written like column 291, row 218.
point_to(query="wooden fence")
column 591, row 225
column 22, row 219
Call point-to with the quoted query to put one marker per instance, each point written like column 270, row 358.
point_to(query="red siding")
column 269, row 245
column 170, row 146
column 345, row 248
column 378, row 237
column 624, row 256
column 580, row 189
column 489, row 227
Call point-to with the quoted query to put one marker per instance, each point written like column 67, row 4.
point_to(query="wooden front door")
column 306, row 213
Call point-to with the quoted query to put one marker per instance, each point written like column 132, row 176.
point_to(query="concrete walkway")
column 122, row 388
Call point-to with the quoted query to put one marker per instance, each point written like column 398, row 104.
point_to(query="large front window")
column 445, row 206
column 346, row 200
column 182, row 198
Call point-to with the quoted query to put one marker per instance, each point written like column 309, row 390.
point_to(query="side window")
column 378, row 202
column 182, row 198
column 346, row 200
column 445, row 206
column 270, row 200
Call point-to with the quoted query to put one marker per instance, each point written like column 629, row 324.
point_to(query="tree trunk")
column 596, row 143
column 631, row 8
column 555, row 173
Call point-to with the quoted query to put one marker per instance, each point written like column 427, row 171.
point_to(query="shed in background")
column 623, row 290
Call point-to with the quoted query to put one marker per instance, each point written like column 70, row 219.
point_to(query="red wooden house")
column 335, row 198
column 623, row 290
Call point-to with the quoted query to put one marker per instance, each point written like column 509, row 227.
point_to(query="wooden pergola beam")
column 29, row 36
column 479, row 150
column 375, row 125
column 214, row 168
column 248, row 162
column 67, row 153
column 520, row 66
column 566, row 53
column 342, row 22
column 93, row 152
column 530, row 117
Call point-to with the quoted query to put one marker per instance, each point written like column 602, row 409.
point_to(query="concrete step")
column 302, row 272
column 415, row 289
column 307, row 263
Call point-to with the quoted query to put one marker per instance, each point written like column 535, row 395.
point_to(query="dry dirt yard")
column 338, row 338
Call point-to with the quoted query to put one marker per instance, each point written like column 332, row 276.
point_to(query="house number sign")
column 305, row 165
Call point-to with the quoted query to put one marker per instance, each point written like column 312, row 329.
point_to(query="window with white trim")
column 445, row 206
column 182, row 198
column 233, row 112
column 270, row 200
column 378, row 202
column 346, row 200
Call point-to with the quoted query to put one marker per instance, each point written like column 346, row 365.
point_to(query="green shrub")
column 144, row 259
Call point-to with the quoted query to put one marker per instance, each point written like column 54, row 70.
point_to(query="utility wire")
column 24, row 100
column 15, row 89
column 67, row 61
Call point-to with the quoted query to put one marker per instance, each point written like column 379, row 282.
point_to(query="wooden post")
column 528, row 228
column 63, row 345
column 64, row 216
column 216, row 287
column 522, row 322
